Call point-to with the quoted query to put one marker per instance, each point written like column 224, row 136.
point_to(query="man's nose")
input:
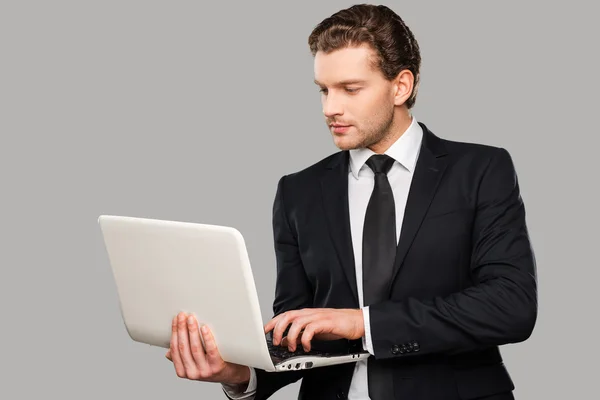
column 332, row 106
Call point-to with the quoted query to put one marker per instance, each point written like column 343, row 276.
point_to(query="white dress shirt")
column 405, row 152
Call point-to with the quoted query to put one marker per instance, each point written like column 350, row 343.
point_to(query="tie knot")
column 380, row 163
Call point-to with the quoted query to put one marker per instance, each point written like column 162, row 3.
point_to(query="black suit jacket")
column 464, row 278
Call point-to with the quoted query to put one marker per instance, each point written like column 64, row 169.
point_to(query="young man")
column 414, row 245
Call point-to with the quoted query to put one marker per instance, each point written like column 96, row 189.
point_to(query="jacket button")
column 395, row 349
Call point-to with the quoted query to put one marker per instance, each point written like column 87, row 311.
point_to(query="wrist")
column 361, row 323
column 240, row 376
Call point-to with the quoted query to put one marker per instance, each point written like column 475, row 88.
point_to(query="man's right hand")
column 203, row 363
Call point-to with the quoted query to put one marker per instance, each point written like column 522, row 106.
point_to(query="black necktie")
column 379, row 233
column 379, row 252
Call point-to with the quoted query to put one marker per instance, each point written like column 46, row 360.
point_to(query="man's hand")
column 321, row 323
column 204, row 363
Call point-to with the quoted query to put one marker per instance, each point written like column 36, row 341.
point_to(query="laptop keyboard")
column 282, row 353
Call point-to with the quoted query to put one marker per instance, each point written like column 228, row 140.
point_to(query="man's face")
column 354, row 95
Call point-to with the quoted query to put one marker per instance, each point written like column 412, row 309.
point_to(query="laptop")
column 162, row 267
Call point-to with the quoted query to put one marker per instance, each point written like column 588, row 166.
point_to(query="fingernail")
column 190, row 320
column 204, row 329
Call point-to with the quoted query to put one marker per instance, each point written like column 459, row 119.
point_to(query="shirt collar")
column 405, row 150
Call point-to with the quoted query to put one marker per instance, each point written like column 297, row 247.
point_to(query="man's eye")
column 349, row 90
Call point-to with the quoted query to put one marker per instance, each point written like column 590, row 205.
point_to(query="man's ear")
column 403, row 86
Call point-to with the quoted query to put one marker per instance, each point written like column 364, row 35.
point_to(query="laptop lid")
column 163, row 267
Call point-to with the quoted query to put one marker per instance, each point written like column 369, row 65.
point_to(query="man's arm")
column 292, row 288
column 502, row 305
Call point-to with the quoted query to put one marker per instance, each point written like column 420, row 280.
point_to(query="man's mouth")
column 339, row 128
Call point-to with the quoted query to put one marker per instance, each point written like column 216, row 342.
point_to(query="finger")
column 179, row 368
column 168, row 355
column 184, row 345
column 210, row 344
column 280, row 327
column 285, row 342
column 308, row 334
column 294, row 332
column 273, row 322
column 196, row 348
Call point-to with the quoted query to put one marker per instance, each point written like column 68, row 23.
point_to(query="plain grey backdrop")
column 192, row 111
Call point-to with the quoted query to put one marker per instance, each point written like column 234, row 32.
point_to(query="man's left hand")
column 328, row 323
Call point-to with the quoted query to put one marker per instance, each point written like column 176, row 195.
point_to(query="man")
column 415, row 246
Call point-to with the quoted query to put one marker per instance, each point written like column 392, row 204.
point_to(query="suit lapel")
column 334, row 187
column 429, row 169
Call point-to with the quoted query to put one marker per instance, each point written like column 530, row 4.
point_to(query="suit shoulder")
column 476, row 151
column 479, row 158
column 316, row 169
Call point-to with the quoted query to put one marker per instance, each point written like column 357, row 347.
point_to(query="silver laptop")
column 163, row 267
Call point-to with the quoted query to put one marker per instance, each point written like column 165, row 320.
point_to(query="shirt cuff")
column 367, row 340
column 248, row 394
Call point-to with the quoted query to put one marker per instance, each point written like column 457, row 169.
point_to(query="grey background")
column 188, row 111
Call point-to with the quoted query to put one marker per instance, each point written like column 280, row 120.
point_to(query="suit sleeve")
column 501, row 306
column 292, row 289
column 232, row 391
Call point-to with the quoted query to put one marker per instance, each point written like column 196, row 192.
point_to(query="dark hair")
column 379, row 27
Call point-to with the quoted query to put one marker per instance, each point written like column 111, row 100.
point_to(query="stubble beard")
column 373, row 134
